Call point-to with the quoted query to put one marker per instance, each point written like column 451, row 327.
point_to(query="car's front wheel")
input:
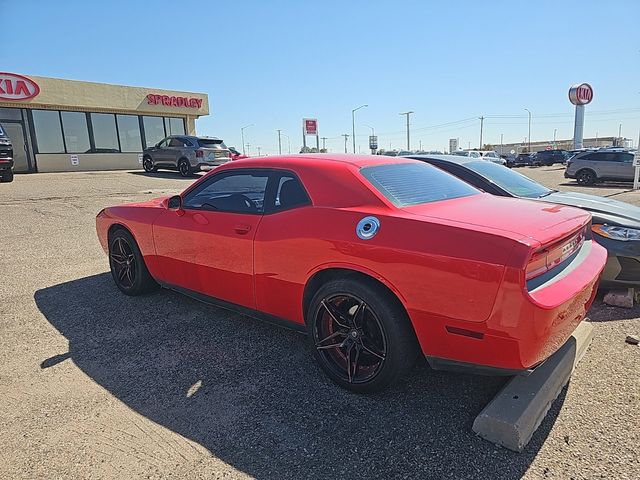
column 586, row 177
column 360, row 335
column 127, row 265
column 184, row 167
column 148, row 165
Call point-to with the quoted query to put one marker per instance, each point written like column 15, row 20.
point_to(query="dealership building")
column 59, row 125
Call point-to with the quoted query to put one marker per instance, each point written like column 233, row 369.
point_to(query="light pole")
column 288, row 141
column 554, row 138
column 248, row 151
column 481, row 125
column 619, row 142
column 353, row 125
column 408, row 138
column 258, row 150
column 529, row 137
column 596, row 139
column 501, row 136
column 242, row 135
column 279, row 142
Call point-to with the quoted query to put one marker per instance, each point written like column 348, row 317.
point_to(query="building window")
column 174, row 126
column 46, row 124
column 105, row 135
column 76, row 133
column 153, row 130
column 129, row 133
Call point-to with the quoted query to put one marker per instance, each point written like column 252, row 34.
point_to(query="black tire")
column 127, row 265
column 7, row 176
column 184, row 167
column 147, row 164
column 382, row 349
column 586, row 177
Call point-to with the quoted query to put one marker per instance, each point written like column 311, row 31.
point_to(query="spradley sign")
column 173, row 101
column 581, row 94
column 17, row 88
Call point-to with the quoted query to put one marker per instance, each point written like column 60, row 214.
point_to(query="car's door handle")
column 242, row 228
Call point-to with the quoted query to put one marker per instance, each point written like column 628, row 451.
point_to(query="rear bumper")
column 212, row 164
column 6, row 163
column 524, row 328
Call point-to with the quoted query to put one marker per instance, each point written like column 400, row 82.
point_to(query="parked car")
column 483, row 154
column 376, row 258
column 187, row 154
column 235, row 154
column 524, row 159
column 550, row 157
column 6, row 157
column 592, row 167
column 615, row 225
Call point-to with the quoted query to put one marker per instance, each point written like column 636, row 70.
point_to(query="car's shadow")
column 251, row 394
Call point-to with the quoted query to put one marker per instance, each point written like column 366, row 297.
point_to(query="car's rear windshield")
column 405, row 184
column 513, row 182
column 214, row 143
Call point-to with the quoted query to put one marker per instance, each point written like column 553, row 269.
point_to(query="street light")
column 529, row 137
column 353, row 124
column 242, row 135
column 288, row 140
column 373, row 132
column 408, row 141
column 554, row 137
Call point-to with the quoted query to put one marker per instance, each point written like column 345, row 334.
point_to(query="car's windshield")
column 513, row 182
column 407, row 184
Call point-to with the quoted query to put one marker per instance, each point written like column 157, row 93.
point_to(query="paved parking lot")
column 94, row 384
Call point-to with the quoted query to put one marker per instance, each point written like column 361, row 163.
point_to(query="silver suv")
column 595, row 166
column 185, row 153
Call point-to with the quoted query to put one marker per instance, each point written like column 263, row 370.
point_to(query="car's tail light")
column 547, row 258
column 199, row 154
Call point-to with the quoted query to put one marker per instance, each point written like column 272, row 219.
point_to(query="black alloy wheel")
column 148, row 165
column 361, row 337
column 586, row 177
column 128, row 269
column 184, row 167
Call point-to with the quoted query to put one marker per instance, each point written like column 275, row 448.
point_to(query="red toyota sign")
column 16, row 87
column 310, row 126
column 581, row 94
column 173, row 101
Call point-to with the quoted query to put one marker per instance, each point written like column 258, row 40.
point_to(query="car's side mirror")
column 175, row 203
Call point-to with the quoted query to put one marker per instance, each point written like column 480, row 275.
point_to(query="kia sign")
column 310, row 126
column 17, row 88
column 581, row 94
column 173, row 101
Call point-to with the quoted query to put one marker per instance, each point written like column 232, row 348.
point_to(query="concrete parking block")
column 620, row 298
column 514, row 414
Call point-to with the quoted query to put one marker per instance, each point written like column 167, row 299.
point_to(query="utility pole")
column 481, row 124
column 408, row 138
column 619, row 142
column 554, row 138
column 258, row 150
column 596, row 138
column 346, row 137
column 501, row 135
column 242, row 135
column 288, row 141
column 529, row 137
column 353, row 125
column 324, row 139
column 248, row 151
column 279, row 142
column 420, row 143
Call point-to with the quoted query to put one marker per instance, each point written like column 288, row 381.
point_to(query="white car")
column 490, row 155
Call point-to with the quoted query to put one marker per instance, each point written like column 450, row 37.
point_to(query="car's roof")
column 305, row 159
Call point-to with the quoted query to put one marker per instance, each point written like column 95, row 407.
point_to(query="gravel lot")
column 94, row 384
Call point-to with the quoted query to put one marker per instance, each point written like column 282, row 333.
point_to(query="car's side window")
column 625, row 157
column 239, row 192
column 176, row 142
column 163, row 143
column 289, row 193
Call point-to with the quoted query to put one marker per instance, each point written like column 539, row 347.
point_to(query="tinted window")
column 46, row 124
column 174, row 126
column 129, row 133
column 76, row 132
column 513, row 182
column 153, row 130
column 176, row 142
column 407, row 184
column 214, row 143
column 236, row 192
column 625, row 157
column 105, row 135
column 290, row 193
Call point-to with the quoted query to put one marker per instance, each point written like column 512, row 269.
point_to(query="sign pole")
column 636, row 163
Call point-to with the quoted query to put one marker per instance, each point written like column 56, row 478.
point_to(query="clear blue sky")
column 272, row 63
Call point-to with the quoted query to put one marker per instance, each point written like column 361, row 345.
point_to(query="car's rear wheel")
column 127, row 265
column 7, row 176
column 586, row 177
column 148, row 165
column 360, row 335
column 184, row 167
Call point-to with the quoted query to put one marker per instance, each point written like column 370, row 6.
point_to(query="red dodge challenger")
column 376, row 258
